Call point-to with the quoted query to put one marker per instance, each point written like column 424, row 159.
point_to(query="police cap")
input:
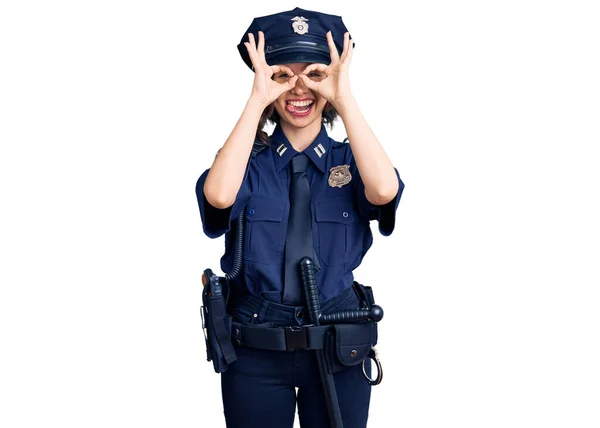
column 298, row 35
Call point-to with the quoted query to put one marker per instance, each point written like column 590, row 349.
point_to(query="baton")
column 309, row 283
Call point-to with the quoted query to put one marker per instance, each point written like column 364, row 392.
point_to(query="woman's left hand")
column 335, row 86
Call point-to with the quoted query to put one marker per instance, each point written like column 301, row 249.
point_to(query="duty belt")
column 305, row 337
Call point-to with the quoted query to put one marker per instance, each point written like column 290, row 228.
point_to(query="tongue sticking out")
column 301, row 109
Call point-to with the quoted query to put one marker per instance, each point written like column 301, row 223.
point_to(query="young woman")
column 301, row 83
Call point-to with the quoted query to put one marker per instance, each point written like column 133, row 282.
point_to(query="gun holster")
column 216, row 322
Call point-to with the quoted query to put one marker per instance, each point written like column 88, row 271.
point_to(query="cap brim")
column 299, row 56
column 288, row 51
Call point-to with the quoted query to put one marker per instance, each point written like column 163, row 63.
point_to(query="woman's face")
column 292, row 105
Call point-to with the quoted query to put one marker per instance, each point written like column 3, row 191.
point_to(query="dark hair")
column 328, row 115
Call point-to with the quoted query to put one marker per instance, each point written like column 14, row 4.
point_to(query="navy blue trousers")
column 259, row 388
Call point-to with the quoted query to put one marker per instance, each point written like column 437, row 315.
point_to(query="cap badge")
column 339, row 175
column 300, row 25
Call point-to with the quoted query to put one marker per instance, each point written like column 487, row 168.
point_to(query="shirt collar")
column 317, row 151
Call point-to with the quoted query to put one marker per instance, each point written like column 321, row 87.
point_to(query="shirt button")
column 251, row 211
column 300, row 314
column 345, row 214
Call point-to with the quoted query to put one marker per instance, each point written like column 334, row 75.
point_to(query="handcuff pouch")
column 349, row 344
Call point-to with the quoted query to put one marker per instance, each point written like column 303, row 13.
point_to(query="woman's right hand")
column 265, row 89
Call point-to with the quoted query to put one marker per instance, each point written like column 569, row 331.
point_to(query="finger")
column 316, row 66
column 348, row 58
column 261, row 46
column 286, row 86
column 351, row 46
column 251, row 55
column 345, row 51
column 286, row 69
column 313, row 86
column 332, row 49
column 291, row 82
column 251, row 41
column 278, row 68
column 251, row 45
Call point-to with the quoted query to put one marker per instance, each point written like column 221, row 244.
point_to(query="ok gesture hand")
column 336, row 85
column 265, row 89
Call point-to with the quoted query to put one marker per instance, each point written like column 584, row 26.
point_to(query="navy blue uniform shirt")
column 340, row 217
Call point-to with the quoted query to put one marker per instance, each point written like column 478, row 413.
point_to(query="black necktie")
column 299, row 241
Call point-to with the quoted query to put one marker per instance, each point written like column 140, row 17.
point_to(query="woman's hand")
column 335, row 87
column 265, row 89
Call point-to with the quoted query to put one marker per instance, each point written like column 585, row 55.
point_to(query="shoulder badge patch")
column 339, row 175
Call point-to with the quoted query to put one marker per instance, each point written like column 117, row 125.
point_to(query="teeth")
column 300, row 103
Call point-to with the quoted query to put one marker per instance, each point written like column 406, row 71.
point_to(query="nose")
column 300, row 88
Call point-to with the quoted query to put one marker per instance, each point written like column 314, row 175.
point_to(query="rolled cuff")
column 384, row 214
column 217, row 221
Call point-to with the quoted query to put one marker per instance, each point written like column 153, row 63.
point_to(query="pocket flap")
column 260, row 208
column 337, row 210
column 354, row 341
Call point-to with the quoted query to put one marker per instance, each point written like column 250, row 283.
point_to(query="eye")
column 281, row 76
column 316, row 76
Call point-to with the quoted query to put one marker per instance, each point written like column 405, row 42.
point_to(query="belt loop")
column 263, row 310
column 358, row 293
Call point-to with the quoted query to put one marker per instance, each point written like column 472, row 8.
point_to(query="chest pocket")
column 336, row 222
column 264, row 238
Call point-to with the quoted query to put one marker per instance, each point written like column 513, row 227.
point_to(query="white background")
column 109, row 112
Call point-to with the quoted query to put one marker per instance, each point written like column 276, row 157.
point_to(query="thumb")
column 292, row 81
column 286, row 86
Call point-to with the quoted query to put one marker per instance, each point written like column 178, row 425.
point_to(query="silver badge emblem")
column 300, row 25
column 339, row 175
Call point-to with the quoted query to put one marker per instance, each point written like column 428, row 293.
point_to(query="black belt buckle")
column 296, row 338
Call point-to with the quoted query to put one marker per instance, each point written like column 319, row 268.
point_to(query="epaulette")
column 257, row 148
column 337, row 144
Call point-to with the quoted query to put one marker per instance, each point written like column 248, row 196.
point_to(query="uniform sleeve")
column 217, row 221
column 384, row 214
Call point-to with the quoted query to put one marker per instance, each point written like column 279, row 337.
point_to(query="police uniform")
column 259, row 388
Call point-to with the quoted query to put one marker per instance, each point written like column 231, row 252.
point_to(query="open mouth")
column 299, row 108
